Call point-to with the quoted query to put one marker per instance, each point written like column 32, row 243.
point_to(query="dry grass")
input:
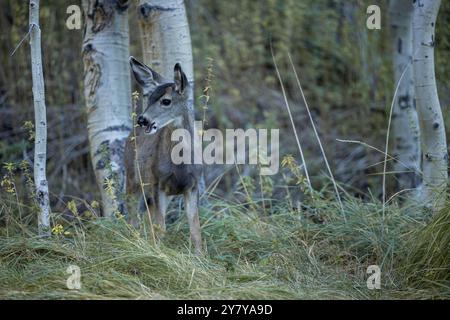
column 283, row 254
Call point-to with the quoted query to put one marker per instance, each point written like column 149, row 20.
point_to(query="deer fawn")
column 166, row 110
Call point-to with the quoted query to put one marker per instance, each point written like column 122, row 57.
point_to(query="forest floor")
column 253, row 252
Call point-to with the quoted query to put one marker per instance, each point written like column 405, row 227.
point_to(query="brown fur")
column 161, row 177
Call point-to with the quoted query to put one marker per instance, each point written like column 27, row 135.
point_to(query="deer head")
column 166, row 101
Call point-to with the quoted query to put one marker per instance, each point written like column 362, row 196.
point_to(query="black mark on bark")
column 404, row 102
column 92, row 74
column 145, row 10
column 100, row 12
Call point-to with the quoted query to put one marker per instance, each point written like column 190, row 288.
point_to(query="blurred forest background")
column 345, row 69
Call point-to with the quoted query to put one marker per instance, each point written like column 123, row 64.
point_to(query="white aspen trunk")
column 434, row 144
column 166, row 40
column 405, row 123
column 40, row 141
column 107, row 90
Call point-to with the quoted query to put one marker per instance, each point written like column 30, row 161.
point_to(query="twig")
column 387, row 136
column 318, row 138
column 290, row 117
column 23, row 39
column 399, row 192
column 376, row 149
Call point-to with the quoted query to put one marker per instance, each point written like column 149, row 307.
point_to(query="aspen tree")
column 40, row 140
column 432, row 131
column 165, row 41
column 405, row 123
column 107, row 90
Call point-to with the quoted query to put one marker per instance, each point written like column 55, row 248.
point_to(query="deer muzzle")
column 150, row 127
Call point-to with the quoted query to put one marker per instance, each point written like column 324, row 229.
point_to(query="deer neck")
column 183, row 122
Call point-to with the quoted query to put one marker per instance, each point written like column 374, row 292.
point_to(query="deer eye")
column 166, row 102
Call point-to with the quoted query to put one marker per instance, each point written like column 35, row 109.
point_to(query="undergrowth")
column 252, row 252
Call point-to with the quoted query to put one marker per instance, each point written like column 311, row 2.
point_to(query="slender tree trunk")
column 166, row 40
column 40, row 141
column 434, row 144
column 107, row 89
column 405, row 123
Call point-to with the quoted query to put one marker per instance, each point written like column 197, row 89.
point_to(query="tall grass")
column 428, row 262
column 280, row 253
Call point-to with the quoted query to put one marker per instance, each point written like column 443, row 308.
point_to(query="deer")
column 166, row 110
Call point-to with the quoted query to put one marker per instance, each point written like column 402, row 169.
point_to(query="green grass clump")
column 252, row 253
column 428, row 260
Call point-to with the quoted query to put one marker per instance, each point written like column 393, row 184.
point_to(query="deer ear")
column 147, row 78
column 180, row 79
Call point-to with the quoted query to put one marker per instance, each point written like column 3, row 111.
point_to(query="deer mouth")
column 151, row 128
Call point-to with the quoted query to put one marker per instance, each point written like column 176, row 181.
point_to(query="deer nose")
column 141, row 121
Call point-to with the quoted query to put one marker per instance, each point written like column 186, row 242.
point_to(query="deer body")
column 165, row 112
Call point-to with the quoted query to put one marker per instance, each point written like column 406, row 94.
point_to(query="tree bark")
column 40, row 141
column 166, row 40
column 107, row 90
column 434, row 144
column 405, row 123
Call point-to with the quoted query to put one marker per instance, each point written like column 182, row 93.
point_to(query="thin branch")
column 376, row 149
column 290, row 117
column 317, row 137
column 388, row 134
column 23, row 39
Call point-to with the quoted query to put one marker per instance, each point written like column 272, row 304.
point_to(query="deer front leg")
column 154, row 208
column 136, row 217
column 191, row 205
column 161, row 208
column 144, row 206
